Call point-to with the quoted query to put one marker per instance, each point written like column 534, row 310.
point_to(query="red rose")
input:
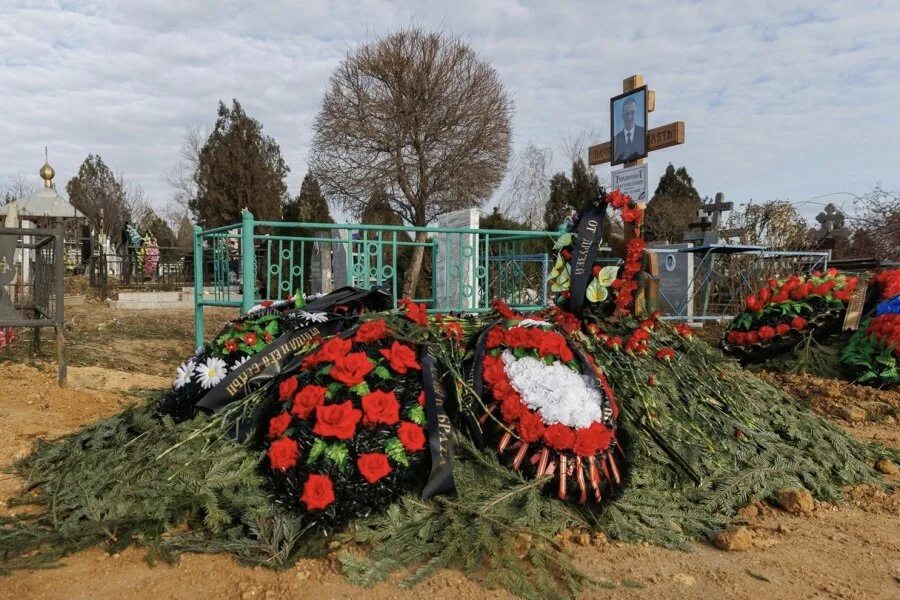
column 752, row 337
column 371, row 331
column 307, row 400
column 351, row 369
column 318, row 492
column 411, row 436
column 421, row 399
column 250, row 338
column 782, row 328
column 559, row 437
column 798, row 323
column 512, row 409
column 337, row 420
column 766, row 332
column 591, row 440
column 287, row 388
column 530, row 427
column 380, row 407
column 732, row 337
column 401, row 358
column 494, row 337
column 283, row 453
column 278, row 425
column 231, row 346
column 373, row 466
column 330, row 352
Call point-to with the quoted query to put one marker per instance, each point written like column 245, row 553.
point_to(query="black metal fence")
column 32, row 267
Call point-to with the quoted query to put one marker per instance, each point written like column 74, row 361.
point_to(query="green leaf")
column 563, row 241
column 382, row 373
column 333, row 388
column 323, row 371
column 338, row 454
column 272, row 327
column 416, row 414
column 396, row 452
column 360, row 389
column 316, row 451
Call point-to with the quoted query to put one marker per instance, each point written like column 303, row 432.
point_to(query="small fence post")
column 248, row 266
column 59, row 291
column 198, row 287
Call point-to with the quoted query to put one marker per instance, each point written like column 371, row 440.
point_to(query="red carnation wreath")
column 548, row 409
column 348, row 436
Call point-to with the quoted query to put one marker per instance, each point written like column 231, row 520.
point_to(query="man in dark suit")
column 630, row 143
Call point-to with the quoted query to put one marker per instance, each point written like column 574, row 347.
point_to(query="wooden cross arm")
column 657, row 139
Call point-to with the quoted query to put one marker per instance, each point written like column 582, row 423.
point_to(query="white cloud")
column 780, row 101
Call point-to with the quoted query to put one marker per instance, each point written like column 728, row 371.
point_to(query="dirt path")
column 850, row 550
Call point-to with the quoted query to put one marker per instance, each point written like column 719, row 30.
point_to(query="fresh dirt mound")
column 98, row 378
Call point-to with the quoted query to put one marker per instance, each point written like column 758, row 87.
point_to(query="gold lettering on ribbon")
column 271, row 357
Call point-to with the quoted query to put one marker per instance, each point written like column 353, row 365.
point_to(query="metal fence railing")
column 462, row 269
column 32, row 267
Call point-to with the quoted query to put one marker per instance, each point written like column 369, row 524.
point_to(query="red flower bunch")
column 415, row 312
column 503, row 309
column 617, row 199
column 684, row 330
column 799, row 288
column 565, row 320
column 886, row 329
column 453, row 331
column 765, row 333
column 547, row 343
column 625, row 285
column 888, row 282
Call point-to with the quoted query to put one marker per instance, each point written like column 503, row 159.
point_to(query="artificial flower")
column 559, row 437
column 401, row 358
column 494, row 337
column 373, row 466
column 415, row 312
column 411, row 436
column 211, row 372
column 307, row 399
column 380, row 407
column 798, row 323
column 665, row 354
column 183, row 374
column 371, row 331
column 283, row 453
column 337, row 420
column 330, row 352
column 230, row 346
column 287, row 388
column 591, row 440
column 250, row 338
column 279, row 424
column 351, row 369
column 318, row 492
column 530, row 427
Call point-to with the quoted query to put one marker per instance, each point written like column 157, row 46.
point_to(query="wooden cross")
column 717, row 208
column 657, row 138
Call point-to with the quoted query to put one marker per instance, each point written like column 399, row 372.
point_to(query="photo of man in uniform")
column 629, row 116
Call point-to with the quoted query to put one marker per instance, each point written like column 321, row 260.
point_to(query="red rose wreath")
column 349, row 435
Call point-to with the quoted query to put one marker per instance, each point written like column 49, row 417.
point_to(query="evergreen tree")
column 309, row 206
column 568, row 194
column 100, row 195
column 185, row 235
column 673, row 207
column 585, row 185
column 158, row 228
column 676, row 183
column 558, row 207
column 239, row 167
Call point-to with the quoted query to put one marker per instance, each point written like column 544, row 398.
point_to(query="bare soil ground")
column 845, row 550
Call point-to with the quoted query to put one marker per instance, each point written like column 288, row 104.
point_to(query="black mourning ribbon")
column 587, row 242
column 441, row 436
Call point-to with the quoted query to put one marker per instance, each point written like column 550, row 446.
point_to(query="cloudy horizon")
column 780, row 102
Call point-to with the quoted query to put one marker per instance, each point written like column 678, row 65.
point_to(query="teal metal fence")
column 463, row 269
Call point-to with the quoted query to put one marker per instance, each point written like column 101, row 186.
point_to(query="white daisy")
column 183, row 374
column 211, row 372
column 314, row 317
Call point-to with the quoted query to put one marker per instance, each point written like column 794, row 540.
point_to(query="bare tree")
column 419, row 115
column 575, row 145
column 17, row 186
column 774, row 223
column 526, row 195
column 874, row 224
column 182, row 174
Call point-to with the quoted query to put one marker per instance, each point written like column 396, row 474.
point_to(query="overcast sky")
column 788, row 100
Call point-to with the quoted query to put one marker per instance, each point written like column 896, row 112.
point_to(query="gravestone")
column 456, row 284
column 7, row 274
column 340, row 276
column 320, row 281
column 676, row 272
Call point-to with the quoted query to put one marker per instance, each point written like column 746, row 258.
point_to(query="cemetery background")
column 115, row 352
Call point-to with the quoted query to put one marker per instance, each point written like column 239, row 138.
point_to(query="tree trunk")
column 414, row 272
